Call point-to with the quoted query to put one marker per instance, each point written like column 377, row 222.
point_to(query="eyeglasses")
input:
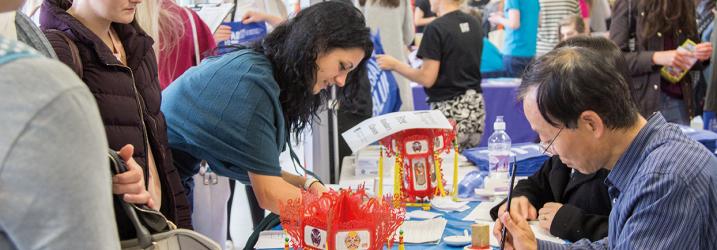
column 546, row 146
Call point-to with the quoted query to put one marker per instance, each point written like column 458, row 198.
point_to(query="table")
column 455, row 224
column 500, row 99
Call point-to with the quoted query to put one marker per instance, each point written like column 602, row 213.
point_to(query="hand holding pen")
column 521, row 236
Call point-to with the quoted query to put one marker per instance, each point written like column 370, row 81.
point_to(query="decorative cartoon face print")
column 352, row 240
column 314, row 237
column 438, row 142
column 406, row 173
column 432, row 170
column 416, row 147
column 419, row 174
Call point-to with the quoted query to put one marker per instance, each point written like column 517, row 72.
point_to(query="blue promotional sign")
column 384, row 89
column 245, row 34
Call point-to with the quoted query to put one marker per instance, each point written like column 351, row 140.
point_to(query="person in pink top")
column 174, row 27
column 585, row 13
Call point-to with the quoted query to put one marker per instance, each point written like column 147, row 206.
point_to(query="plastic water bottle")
column 499, row 151
column 697, row 123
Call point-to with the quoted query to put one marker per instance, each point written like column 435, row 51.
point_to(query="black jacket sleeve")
column 572, row 223
column 536, row 188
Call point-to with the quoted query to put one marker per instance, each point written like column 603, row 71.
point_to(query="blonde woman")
column 182, row 39
column 119, row 67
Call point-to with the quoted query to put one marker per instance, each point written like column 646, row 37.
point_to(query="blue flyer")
column 245, row 34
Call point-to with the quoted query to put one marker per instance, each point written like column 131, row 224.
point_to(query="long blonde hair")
column 163, row 25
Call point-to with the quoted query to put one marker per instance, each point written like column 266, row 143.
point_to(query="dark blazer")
column 128, row 98
column 586, row 204
column 627, row 21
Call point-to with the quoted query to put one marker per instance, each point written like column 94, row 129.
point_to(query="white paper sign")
column 378, row 127
column 213, row 15
column 270, row 239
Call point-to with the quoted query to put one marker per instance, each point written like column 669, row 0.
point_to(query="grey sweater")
column 30, row 34
column 396, row 29
column 55, row 186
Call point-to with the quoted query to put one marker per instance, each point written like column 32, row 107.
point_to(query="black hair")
column 605, row 47
column 294, row 46
column 572, row 80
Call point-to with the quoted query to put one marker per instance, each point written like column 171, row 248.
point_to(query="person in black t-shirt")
column 423, row 15
column 451, row 51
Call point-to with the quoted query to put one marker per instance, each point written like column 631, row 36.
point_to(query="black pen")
column 510, row 196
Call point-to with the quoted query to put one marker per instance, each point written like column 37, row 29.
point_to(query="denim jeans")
column 674, row 110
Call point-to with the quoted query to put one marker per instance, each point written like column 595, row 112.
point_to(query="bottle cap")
column 499, row 124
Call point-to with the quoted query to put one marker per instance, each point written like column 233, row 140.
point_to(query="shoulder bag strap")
column 194, row 35
column 74, row 51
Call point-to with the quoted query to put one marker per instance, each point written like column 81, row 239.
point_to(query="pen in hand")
column 510, row 197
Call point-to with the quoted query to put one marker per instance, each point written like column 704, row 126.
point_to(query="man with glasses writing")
column 662, row 185
column 565, row 202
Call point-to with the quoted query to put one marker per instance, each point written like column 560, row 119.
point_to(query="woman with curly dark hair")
column 236, row 111
column 649, row 33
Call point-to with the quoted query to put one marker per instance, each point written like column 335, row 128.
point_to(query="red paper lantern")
column 417, row 155
column 341, row 220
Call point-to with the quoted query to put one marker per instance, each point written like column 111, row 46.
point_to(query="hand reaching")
column 130, row 184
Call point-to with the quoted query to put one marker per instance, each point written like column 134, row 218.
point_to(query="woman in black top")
column 451, row 51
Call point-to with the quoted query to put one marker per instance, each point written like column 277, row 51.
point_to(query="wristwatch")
column 309, row 181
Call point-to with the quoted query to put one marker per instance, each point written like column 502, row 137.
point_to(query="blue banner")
column 384, row 89
column 244, row 34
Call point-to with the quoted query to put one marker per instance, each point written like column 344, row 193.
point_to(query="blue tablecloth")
column 499, row 95
column 705, row 137
column 455, row 226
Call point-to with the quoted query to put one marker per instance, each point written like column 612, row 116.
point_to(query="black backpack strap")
column 269, row 222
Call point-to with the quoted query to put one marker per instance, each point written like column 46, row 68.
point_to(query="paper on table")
column 482, row 212
column 270, row 239
column 378, row 127
column 422, row 231
column 447, row 204
column 420, row 214
column 537, row 230
column 214, row 15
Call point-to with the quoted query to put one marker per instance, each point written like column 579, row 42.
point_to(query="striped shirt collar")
column 628, row 164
